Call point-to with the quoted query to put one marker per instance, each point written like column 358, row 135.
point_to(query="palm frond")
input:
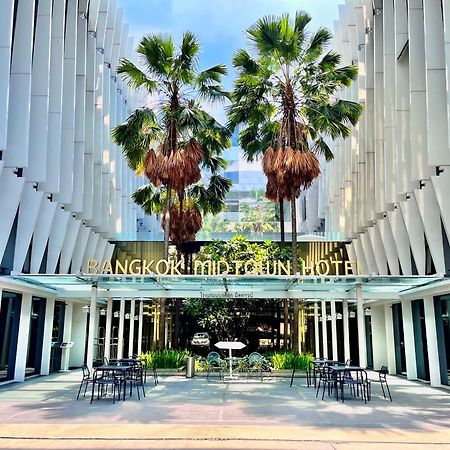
column 157, row 51
column 266, row 35
column 317, row 43
column 151, row 200
column 242, row 61
column 135, row 136
column 302, row 19
column 135, row 77
column 322, row 148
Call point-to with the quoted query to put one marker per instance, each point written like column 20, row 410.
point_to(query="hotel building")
column 65, row 196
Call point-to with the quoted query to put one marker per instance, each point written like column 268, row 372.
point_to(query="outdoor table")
column 319, row 362
column 340, row 370
column 230, row 346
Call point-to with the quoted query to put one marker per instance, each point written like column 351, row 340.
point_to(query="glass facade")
column 9, row 330
column 442, row 310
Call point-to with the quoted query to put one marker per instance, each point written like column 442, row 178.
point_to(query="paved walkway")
column 194, row 414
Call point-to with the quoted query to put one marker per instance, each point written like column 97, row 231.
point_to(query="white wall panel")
column 41, row 233
column 37, row 153
column 6, row 25
column 16, row 154
column 28, row 215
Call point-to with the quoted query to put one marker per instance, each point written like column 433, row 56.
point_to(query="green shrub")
column 166, row 359
column 288, row 360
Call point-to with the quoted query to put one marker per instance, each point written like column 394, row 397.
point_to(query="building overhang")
column 308, row 288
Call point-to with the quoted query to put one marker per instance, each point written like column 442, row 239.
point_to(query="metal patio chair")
column 382, row 379
column 86, row 380
column 214, row 364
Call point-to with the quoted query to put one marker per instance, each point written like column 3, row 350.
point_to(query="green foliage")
column 288, row 360
column 228, row 318
column 166, row 359
column 238, row 248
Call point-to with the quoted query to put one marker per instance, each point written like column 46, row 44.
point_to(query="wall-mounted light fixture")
column 86, row 309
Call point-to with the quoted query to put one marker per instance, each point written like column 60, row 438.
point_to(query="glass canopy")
column 257, row 286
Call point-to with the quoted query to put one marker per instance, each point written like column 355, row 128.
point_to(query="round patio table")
column 230, row 346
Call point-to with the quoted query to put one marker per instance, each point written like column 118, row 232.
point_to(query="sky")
column 219, row 24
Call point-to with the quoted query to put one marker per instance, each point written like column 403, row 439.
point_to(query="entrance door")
column 399, row 339
column 35, row 336
column 57, row 336
column 420, row 340
column 10, row 304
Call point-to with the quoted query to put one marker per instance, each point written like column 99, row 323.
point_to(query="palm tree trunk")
column 294, row 234
column 176, row 331
column 162, row 301
column 286, row 323
column 282, row 234
column 295, row 269
column 295, row 337
column 162, row 324
column 167, row 224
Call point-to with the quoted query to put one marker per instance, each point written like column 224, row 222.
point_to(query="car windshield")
column 201, row 335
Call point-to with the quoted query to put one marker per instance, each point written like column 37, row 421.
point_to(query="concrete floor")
column 43, row 413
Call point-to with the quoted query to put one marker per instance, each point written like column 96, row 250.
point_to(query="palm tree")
column 185, row 136
column 285, row 102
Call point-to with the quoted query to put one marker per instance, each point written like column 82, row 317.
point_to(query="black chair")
column 85, row 380
column 327, row 379
column 136, row 379
column 102, row 382
column 382, row 379
column 357, row 382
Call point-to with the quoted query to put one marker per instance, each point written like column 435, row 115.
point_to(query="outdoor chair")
column 155, row 373
column 255, row 363
column 327, row 379
column 357, row 382
column 85, row 380
column 102, row 382
column 382, row 379
column 214, row 364
column 136, row 379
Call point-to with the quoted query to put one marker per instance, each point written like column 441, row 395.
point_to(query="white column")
column 316, row 330
column 346, row 330
column 378, row 337
column 121, row 329
column 410, row 348
column 334, row 342
column 432, row 342
column 324, row 330
column 67, row 334
column 361, row 327
column 90, row 346
column 6, row 25
column 22, row 340
column 109, row 312
column 131, row 335
column 47, row 338
column 141, row 321
column 390, row 343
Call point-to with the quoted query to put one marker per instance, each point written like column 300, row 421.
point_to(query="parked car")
column 201, row 339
